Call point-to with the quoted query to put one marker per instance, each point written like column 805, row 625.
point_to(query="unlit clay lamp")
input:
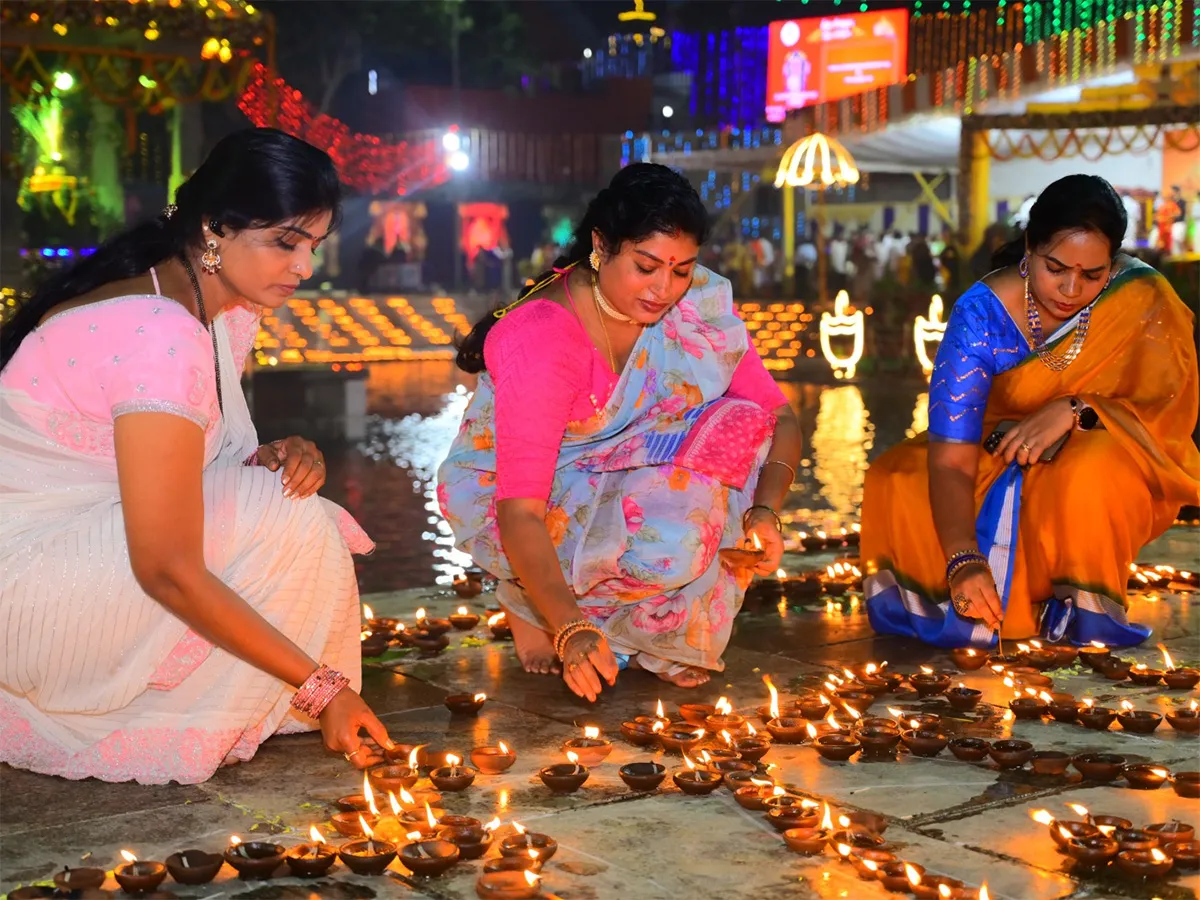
column 591, row 749
column 1186, row 784
column 969, row 749
column 374, row 644
column 1185, row 853
column 465, row 704
column 695, row 714
column 837, row 747
column 139, row 877
column 493, row 760
column 679, row 741
column 1169, row 832
column 1098, row 766
column 643, row 776
column 878, row 740
column 640, row 734
column 788, row 730
column 924, row 742
column 194, row 866
column 1050, row 762
column 255, row 860
column 928, row 683
column 963, row 699
column 1093, row 851
column 806, row 841
column 453, row 776
column 1065, row 711
column 1011, row 754
column 311, row 860
column 1028, row 707
column 89, row 879
column 508, row 885
column 752, row 749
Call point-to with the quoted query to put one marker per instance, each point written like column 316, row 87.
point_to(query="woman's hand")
column 341, row 722
column 973, row 594
column 1031, row 438
column 761, row 523
column 303, row 465
column 587, row 660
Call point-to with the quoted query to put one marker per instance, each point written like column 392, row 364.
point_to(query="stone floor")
column 969, row 821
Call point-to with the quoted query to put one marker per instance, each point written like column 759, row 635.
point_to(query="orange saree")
column 1060, row 536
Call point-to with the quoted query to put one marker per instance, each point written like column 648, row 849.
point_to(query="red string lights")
column 364, row 161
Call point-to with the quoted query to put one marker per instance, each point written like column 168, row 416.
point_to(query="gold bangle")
column 568, row 631
column 780, row 462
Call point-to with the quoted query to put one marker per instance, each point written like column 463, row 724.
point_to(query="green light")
column 63, row 81
column 147, row 82
column 863, row 8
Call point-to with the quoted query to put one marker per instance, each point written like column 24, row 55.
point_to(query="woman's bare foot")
column 230, row 760
column 692, row 676
column 535, row 648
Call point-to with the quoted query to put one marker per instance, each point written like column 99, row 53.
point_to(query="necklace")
column 1044, row 353
column 612, row 359
column 204, row 321
column 604, row 305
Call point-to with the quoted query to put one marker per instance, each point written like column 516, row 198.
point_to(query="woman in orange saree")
column 1024, row 536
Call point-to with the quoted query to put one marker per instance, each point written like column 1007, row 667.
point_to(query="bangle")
column 318, row 690
column 962, row 558
column 774, row 515
column 780, row 462
column 252, row 459
column 965, row 565
column 568, row 631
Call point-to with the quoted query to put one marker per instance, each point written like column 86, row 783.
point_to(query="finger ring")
column 1026, row 448
column 350, row 756
column 961, row 604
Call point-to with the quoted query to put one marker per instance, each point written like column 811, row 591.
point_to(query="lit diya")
column 1063, row 830
column 962, row 698
column 1137, row 721
column 928, row 683
column 591, row 749
column 498, row 625
column 565, row 778
column 367, row 857
column 692, row 780
column 724, row 718
column 465, row 704
column 1185, row 721
column 378, row 624
column 463, row 619
column 755, row 794
column 1178, row 679
column 493, row 760
column 1152, row 863
column 1095, row 654
column 311, row 860
column 428, row 858
column 520, row 843
column 811, row 841
column 467, row 587
column 137, row 876
column 508, row 885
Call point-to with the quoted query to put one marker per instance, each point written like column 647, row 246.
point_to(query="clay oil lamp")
column 520, row 843
column 493, row 760
column 1185, row 721
column 1037, row 656
column 1185, row 853
column 368, row 856
column 1050, row 762
column 467, row 588
column 1186, row 784
column 753, row 746
column 856, row 837
column 392, row 779
column 692, row 780
column 641, row 734
column 1031, row 678
column 867, row 862
column 1094, row 654
column 894, row 875
column 724, row 718
column 1152, row 863
column 969, row 749
column 379, row 624
column 878, row 740
column 924, row 742
column 1097, row 718
column 523, row 885
column 90, row 879
column 1063, row 830
column 591, row 748
column 427, row 642
column 735, row 780
column 525, row 861
column 928, row 683
column 1169, row 832
column 941, row 887
column 754, row 795
column 498, row 625
column 1136, row 840
column 785, row 812
column 256, row 859
column 788, row 729
column 811, row 840
column 1138, row 721
column 564, row 778
column 968, row 659
column 311, row 860
column 837, row 747
column 138, row 877
column 1064, row 655
column 1103, row 767
column 642, row 776
column 1177, row 679
column 852, row 701
column 724, row 767
column 452, row 777
column 424, row 821
column 473, row 841
column 428, row 859
column 1106, row 824
column 1143, row 676
column 1063, row 710
column 695, row 714
column 435, row 627
column 676, row 739
column 812, row 542
column 1011, row 754
column 465, row 704
column 463, row 619
column 1116, row 669
column 1091, row 852
column 1030, row 707
column 963, row 698
column 374, row 644
column 812, row 706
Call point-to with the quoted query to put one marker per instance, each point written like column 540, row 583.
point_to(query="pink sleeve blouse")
column 547, row 373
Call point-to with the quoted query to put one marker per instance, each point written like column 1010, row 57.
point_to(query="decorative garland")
column 364, row 161
column 1092, row 145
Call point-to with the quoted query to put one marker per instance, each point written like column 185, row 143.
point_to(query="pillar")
column 789, row 240
column 974, row 211
column 108, row 195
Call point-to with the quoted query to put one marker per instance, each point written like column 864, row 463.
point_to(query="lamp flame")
column 429, row 816
column 774, row 696
column 412, row 757
column 462, row 611
column 691, row 765
column 128, row 857
column 843, row 849
column 832, row 722
column 1126, row 706
column 1157, row 855
column 367, row 612
column 658, row 726
column 913, row 876
column 394, row 803
column 479, row 698
column 896, row 713
column 926, row 670
column 366, row 829
column 406, row 798
column 983, row 892
column 503, row 749
column 827, row 819
column 1099, row 645
column 452, row 760
column 420, row 614
column 1042, row 817
column 754, row 539
column 492, row 620
column 1167, row 661
column 573, row 757
column 658, row 710
column 812, row 730
column 753, row 732
column 492, row 825
column 531, row 878
column 723, row 707
column 413, row 835
column 314, row 835
column 591, row 732
column 870, row 865
column 1063, row 833
column 370, row 795
column 944, row 891
column 851, row 711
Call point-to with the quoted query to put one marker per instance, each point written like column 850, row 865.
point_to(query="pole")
column 789, row 240
column 822, row 275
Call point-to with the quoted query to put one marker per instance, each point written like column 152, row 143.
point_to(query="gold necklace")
column 604, row 305
column 1044, row 353
column 612, row 359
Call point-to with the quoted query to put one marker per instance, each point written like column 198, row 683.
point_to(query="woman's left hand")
column 1026, row 442
column 302, row 463
column 761, row 524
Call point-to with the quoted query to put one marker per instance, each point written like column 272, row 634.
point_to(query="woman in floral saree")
column 623, row 432
column 1089, row 453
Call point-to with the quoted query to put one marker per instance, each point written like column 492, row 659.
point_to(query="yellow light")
column 816, row 161
column 840, row 324
column 637, row 14
column 211, row 48
column 151, row 33
column 60, row 28
column 929, row 331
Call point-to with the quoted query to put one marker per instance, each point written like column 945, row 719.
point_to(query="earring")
column 1023, row 267
column 594, row 260
column 210, row 259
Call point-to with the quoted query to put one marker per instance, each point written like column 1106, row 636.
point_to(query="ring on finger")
column 1025, row 446
column 319, row 462
column 961, row 604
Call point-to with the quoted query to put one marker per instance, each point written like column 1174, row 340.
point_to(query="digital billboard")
column 813, row 60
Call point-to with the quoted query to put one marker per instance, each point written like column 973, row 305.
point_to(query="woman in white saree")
column 171, row 593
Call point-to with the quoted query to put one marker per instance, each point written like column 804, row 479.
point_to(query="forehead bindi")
column 1085, row 251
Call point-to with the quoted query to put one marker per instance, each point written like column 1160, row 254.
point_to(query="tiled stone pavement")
column 967, row 821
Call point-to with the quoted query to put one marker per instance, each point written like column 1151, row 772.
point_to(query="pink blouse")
column 547, row 373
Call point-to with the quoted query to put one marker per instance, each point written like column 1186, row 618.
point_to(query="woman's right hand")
column 587, row 660
column 973, row 594
column 341, row 721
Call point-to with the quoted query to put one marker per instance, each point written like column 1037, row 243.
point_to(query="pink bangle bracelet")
column 318, row 690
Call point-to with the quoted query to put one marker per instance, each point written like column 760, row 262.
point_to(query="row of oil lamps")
column 429, row 635
column 1097, row 841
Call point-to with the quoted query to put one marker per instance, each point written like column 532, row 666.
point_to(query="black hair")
column 642, row 200
column 253, row 178
column 1073, row 203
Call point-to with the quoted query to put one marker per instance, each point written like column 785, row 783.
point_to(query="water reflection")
column 387, row 479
